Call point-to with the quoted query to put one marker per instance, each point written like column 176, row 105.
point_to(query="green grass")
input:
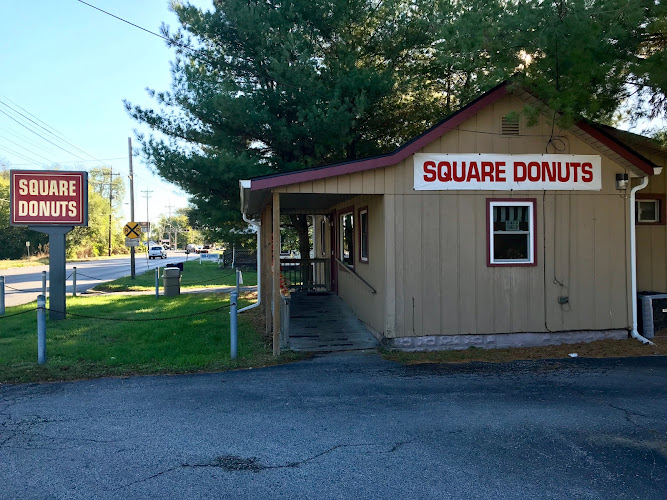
column 82, row 347
column 43, row 261
column 195, row 275
column 33, row 261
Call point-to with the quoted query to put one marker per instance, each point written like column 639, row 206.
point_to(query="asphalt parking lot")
column 345, row 426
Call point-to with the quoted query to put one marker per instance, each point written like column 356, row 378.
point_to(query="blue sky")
column 71, row 66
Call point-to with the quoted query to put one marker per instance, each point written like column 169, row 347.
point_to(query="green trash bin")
column 171, row 281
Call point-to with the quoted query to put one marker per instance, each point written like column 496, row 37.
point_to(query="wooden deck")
column 321, row 322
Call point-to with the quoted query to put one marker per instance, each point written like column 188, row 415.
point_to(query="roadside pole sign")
column 51, row 202
column 132, row 230
column 131, row 242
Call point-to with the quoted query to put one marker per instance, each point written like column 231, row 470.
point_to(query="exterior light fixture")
column 622, row 182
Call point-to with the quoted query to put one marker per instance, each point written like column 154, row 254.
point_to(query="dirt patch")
column 598, row 349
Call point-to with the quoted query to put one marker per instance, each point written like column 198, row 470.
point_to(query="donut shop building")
column 482, row 231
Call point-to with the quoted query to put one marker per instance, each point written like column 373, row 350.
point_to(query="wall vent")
column 509, row 125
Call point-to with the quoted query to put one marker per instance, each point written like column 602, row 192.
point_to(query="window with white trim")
column 648, row 211
column 347, row 239
column 363, row 235
column 511, row 233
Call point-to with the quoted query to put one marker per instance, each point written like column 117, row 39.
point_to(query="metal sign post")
column 57, row 284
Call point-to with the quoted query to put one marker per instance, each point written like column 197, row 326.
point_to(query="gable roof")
column 596, row 135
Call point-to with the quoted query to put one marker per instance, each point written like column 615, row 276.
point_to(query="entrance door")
column 332, row 250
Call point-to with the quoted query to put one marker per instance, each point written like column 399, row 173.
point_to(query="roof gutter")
column 633, row 262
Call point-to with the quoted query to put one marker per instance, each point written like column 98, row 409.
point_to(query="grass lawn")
column 33, row 261
column 81, row 347
column 44, row 261
column 195, row 275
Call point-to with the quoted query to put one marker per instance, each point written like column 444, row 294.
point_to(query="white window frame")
column 654, row 220
column 531, row 233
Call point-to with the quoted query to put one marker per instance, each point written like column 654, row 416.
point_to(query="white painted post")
column 44, row 283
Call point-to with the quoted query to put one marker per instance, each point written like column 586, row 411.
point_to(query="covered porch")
column 322, row 322
column 301, row 297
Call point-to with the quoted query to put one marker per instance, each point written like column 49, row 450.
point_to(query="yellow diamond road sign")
column 132, row 230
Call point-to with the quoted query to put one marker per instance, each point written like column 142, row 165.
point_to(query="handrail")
column 344, row 266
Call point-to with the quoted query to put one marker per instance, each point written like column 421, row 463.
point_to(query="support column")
column 265, row 267
column 57, row 285
column 276, row 274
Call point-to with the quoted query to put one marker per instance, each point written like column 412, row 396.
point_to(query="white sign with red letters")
column 495, row 172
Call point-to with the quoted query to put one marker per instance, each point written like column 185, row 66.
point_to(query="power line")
column 26, row 139
column 47, row 140
column 29, row 151
column 73, row 161
column 22, row 156
column 173, row 42
column 47, row 130
column 36, row 118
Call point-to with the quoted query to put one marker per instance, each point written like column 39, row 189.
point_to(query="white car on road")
column 157, row 252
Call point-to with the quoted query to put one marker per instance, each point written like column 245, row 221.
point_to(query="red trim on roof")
column 386, row 160
column 612, row 144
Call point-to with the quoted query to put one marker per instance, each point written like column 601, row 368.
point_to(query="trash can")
column 171, row 281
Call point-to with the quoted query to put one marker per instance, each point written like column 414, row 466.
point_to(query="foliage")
column 587, row 57
column 263, row 87
column 274, row 88
column 13, row 238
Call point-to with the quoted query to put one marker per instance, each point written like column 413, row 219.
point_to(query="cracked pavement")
column 345, row 425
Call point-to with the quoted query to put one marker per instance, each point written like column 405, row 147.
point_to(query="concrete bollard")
column 41, row 329
column 74, row 282
column 44, row 283
column 2, row 295
column 233, row 330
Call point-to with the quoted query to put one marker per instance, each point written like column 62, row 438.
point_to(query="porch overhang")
column 254, row 200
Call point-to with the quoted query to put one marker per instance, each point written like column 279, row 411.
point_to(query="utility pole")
column 110, row 198
column 147, row 195
column 129, row 147
column 110, row 174
column 171, row 226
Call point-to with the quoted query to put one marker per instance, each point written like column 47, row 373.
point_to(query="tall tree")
column 277, row 86
column 264, row 86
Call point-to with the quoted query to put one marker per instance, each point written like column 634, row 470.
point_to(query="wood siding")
column 652, row 239
column 439, row 243
column 428, row 248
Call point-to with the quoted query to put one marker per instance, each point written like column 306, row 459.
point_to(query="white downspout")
column 633, row 262
column 258, row 227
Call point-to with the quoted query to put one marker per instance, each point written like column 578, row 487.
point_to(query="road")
column 345, row 426
column 24, row 284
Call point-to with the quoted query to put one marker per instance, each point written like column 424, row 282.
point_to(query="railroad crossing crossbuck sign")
column 132, row 230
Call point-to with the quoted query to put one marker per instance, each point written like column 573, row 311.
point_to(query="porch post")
column 276, row 273
column 267, row 273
